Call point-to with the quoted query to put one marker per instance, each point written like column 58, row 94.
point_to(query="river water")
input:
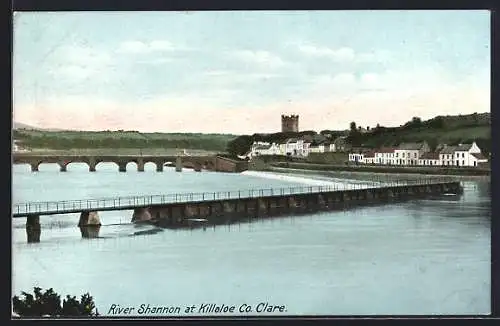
column 427, row 256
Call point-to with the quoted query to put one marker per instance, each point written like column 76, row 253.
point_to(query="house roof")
column 263, row 147
column 410, row 146
column 463, row 147
column 459, row 148
column 430, row 156
column 291, row 140
column 479, row 156
column 448, row 150
column 385, row 150
column 369, row 154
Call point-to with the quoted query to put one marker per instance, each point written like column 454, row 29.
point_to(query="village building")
column 462, row 155
column 17, row 146
column 356, row 157
column 317, row 147
column 385, row 156
column 294, row 147
column 369, row 157
column 357, row 154
column 409, row 153
column 429, row 159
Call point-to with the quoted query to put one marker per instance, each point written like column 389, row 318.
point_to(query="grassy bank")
column 384, row 169
column 133, row 140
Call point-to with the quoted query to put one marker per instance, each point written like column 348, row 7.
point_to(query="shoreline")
column 342, row 173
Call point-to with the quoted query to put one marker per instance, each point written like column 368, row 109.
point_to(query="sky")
column 238, row 71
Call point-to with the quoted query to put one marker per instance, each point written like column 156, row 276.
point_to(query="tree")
column 240, row 145
column 437, row 123
column 416, row 121
column 49, row 303
column 353, row 126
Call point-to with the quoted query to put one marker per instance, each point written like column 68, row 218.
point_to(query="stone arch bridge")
column 211, row 163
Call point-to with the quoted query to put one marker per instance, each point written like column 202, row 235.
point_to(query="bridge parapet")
column 34, row 160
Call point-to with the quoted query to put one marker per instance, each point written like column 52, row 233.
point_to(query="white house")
column 317, row 147
column 476, row 159
column 369, row 158
column 294, row 147
column 307, row 147
column 385, row 156
column 446, row 155
column 356, row 157
column 17, row 147
column 256, row 144
column 462, row 155
column 409, row 153
column 330, row 147
column 429, row 159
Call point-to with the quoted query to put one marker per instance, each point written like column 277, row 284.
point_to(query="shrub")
column 49, row 303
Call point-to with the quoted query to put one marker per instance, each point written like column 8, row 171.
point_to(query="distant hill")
column 19, row 125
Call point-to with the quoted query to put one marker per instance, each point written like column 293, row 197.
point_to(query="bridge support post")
column 33, row 228
column 89, row 219
column 34, row 167
column 141, row 214
column 178, row 164
column 89, row 224
column 140, row 165
column 122, row 167
column 92, row 163
column 63, row 167
column 159, row 166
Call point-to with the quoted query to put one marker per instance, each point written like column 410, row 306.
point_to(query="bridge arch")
column 106, row 162
column 133, row 165
column 63, row 164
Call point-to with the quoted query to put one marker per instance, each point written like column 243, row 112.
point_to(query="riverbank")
column 429, row 171
column 363, row 176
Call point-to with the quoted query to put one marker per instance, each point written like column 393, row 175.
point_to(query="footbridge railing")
column 129, row 202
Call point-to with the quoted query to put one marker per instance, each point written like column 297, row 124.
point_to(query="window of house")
column 463, row 162
column 403, row 154
column 396, row 154
column 463, row 155
column 415, row 155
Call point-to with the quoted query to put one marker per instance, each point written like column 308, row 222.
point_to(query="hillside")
column 449, row 130
column 60, row 140
column 441, row 129
column 19, row 125
column 23, row 126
